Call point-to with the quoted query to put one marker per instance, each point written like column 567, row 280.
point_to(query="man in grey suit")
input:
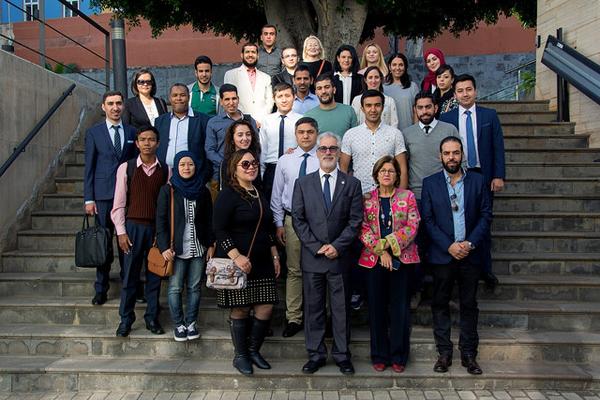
column 327, row 215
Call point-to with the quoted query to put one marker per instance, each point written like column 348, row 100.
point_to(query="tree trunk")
column 293, row 20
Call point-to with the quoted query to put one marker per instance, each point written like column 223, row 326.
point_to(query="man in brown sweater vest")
column 133, row 214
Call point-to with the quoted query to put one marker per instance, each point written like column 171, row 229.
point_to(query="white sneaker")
column 192, row 332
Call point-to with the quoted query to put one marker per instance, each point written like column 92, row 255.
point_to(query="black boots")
column 241, row 360
column 257, row 337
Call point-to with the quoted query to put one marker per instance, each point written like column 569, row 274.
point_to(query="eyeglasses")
column 325, row 149
column 387, row 172
column 453, row 203
column 142, row 82
column 246, row 165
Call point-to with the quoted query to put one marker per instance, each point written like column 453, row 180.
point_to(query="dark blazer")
column 196, row 139
column 315, row 227
column 490, row 141
column 282, row 77
column 101, row 162
column 357, row 88
column 135, row 113
column 202, row 221
column 437, row 212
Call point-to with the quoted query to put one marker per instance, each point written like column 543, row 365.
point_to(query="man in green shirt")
column 203, row 94
column 331, row 116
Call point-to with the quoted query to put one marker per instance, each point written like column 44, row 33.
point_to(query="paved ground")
column 313, row 395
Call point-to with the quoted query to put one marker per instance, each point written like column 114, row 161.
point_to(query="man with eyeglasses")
column 457, row 215
column 326, row 215
column 289, row 59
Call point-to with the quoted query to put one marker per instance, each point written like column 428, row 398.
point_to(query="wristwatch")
column 471, row 246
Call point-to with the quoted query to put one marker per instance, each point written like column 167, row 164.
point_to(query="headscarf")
column 189, row 188
column 430, row 77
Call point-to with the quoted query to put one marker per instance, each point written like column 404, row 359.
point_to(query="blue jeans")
column 191, row 271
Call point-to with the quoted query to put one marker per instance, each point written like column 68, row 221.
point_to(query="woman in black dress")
column 239, row 208
column 144, row 107
column 239, row 136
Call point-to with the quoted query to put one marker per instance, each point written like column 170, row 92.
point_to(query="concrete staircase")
column 539, row 329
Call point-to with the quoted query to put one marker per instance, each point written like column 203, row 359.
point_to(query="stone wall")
column 28, row 91
column 580, row 20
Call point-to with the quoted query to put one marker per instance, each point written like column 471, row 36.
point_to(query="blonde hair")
column 380, row 62
column 313, row 37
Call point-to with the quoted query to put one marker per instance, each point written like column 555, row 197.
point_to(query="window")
column 67, row 12
column 32, row 8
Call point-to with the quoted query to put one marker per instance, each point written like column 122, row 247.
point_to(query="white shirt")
column 366, row 148
column 347, row 85
column 332, row 180
column 151, row 111
column 462, row 129
column 111, row 131
column 269, row 136
column 178, row 136
column 431, row 125
column 286, row 173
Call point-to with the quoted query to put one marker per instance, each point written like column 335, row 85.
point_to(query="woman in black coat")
column 143, row 108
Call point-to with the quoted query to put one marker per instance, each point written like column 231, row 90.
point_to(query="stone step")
column 27, row 373
column 545, row 142
column 512, row 345
column 546, row 221
column 528, row 263
column 553, row 155
column 552, row 170
column 516, row 106
column 530, row 315
column 67, row 220
column 546, row 202
column 552, row 242
column 565, row 186
column 545, row 129
column 535, row 117
column 63, row 202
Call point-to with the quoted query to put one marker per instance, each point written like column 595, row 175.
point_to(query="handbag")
column 156, row 262
column 93, row 245
column 222, row 273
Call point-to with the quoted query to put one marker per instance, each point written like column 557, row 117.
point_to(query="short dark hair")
column 379, row 164
column 281, row 86
column 346, row 47
column 301, row 68
column 136, row 76
column 443, row 68
column 146, row 128
column 451, row 139
column 465, row 78
column 112, row 93
column 425, row 95
column 203, row 60
column 179, row 84
column 307, row 120
column 287, row 48
column 372, row 93
column 268, row 26
column 249, row 44
column 227, row 87
column 327, row 76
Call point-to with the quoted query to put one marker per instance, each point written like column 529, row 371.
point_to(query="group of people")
column 311, row 170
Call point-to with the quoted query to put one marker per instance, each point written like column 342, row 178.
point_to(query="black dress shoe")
column 471, row 365
column 291, row 329
column 99, row 299
column 312, row 366
column 442, row 364
column 490, row 280
column 123, row 330
column 154, row 327
column 346, row 367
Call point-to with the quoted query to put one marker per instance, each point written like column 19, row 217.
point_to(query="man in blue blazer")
column 481, row 132
column 326, row 216
column 182, row 130
column 457, row 214
column 107, row 145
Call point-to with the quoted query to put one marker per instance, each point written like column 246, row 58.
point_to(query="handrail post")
column 562, row 91
column 107, row 61
column 42, row 17
column 119, row 56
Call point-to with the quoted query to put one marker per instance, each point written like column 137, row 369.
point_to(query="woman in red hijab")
column 434, row 58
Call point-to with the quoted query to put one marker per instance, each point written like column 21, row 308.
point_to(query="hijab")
column 190, row 188
column 430, row 77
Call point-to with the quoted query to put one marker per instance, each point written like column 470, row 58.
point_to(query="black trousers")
column 103, row 272
column 268, row 178
column 466, row 274
column 388, row 296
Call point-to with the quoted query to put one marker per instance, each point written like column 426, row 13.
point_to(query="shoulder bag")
column 156, row 262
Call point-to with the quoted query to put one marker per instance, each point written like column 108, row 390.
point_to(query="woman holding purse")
column 243, row 226
column 193, row 240
column 390, row 225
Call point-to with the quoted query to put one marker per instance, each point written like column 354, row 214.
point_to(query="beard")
column 326, row 100
column 426, row 119
column 452, row 169
column 249, row 65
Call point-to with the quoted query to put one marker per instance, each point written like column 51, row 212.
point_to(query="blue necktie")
column 471, row 149
column 303, row 165
column 117, row 142
column 327, row 193
column 281, row 135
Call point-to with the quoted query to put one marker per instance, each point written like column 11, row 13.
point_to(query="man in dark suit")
column 182, row 130
column 481, row 132
column 326, row 216
column 107, row 145
column 457, row 213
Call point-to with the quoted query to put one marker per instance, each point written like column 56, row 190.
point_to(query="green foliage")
column 527, row 83
column 61, row 68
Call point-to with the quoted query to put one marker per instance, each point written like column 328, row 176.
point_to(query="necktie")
column 303, row 165
column 427, row 128
column 281, row 132
column 327, row 192
column 117, row 141
column 471, row 150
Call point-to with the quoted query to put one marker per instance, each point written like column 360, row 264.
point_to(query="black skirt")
column 257, row 291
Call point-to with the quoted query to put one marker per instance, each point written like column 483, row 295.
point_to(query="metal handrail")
column 21, row 147
column 520, row 67
column 511, row 87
